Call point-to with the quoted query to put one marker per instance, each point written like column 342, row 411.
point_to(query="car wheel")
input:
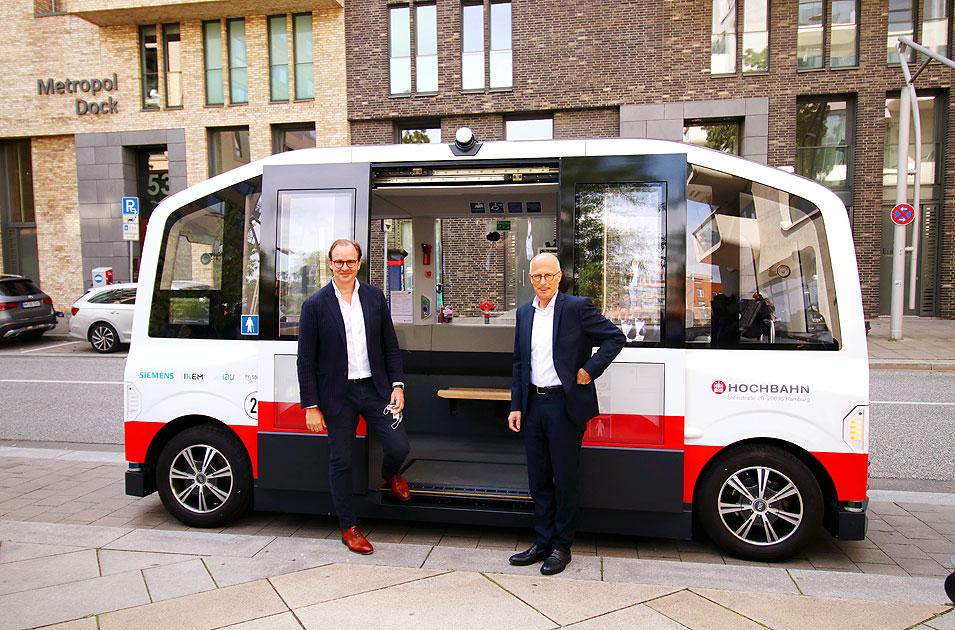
column 103, row 338
column 760, row 503
column 204, row 476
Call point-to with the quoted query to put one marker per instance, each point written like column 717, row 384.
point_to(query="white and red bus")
column 740, row 399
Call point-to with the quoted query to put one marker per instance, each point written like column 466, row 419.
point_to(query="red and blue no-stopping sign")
column 903, row 214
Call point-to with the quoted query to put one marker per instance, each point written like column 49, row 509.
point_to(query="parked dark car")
column 25, row 310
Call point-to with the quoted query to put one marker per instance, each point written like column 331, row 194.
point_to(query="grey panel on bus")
column 631, row 388
column 477, row 338
column 286, row 378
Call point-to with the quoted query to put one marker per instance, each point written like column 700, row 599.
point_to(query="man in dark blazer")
column 349, row 363
column 552, row 399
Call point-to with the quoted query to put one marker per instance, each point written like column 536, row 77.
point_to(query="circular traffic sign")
column 903, row 214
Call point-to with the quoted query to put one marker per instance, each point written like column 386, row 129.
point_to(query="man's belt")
column 356, row 381
column 543, row 391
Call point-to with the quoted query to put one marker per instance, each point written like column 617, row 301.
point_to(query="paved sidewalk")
column 74, row 548
column 926, row 344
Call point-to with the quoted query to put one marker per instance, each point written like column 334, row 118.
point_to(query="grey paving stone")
column 478, row 604
column 687, row 574
column 27, row 575
column 48, row 533
column 196, row 543
column 229, row 571
column 16, row 551
column 945, row 621
column 72, row 601
column 883, row 588
column 111, row 562
column 184, row 578
column 897, row 552
column 334, row 581
column 202, row 611
column 282, row 621
column 581, row 567
column 629, row 618
column 323, row 551
column 694, row 611
column 571, row 601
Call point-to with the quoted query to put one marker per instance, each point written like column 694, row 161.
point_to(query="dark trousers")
column 360, row 398
column 552, row 442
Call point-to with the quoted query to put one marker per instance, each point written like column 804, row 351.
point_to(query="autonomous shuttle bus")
column 740, row 399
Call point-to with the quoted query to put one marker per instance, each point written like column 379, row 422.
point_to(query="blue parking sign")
column 250, row 325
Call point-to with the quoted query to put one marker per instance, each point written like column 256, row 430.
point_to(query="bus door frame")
column 653, row 479
column 293, row 463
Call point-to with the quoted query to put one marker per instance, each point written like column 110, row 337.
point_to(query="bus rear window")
column 758, row 270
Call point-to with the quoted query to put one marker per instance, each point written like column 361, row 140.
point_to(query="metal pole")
column 898, row 243
column 917, row 120
column 130, row 260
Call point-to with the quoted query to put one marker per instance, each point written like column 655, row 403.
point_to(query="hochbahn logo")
column 719, row 387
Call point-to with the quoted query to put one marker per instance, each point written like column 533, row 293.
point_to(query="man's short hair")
column 344, row 241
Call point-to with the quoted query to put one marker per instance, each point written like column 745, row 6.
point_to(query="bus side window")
column 620, row 254
column 208, row 266
column 758, row 267
column 309, row 221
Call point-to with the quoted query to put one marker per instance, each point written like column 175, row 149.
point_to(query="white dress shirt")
column 543, row 373
column 355, row 341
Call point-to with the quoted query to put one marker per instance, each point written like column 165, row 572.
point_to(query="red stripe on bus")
column 140, row 435
column 289, row 417
column 635, row 431
column 849, row 471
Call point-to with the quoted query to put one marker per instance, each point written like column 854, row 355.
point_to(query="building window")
column 844, row 31
column 172, row 64
column 905, row 14
column 425, row 50
column 756, row 36
column 149, row 66
column 755, row 48
column 400, row 46
column 49, row 7
column 228, row 148
column 212, row 58
column 304, row 57
column 841, row 21
column 17, row 219
column 473, row 62
column 721, row 136
column 292, row 137
column 824, row 141
column 723, row 40
column 424, row 132
column 238, row 66
column 529, row 129
column 278, row 58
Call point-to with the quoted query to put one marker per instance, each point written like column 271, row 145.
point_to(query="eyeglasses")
column 338, row 264
column 546, row 277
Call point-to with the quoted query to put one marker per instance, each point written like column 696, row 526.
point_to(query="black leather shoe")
column 556, row 562
column 534, row 554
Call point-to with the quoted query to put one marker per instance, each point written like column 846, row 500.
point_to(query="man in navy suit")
column 552, row 399
column 349, row 363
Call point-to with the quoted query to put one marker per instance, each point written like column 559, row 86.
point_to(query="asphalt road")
column 52, row 390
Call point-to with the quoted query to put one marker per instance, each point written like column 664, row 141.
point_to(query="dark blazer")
column 322, row 351
column 578, row 328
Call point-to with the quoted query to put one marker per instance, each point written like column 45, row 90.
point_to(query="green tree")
column 414, row 136
column 722, row 137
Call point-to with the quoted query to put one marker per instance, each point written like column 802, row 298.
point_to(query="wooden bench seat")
column 474, row 393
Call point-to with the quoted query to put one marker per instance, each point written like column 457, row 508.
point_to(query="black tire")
column 103, row 338
column 204, row 476
column 766, row 524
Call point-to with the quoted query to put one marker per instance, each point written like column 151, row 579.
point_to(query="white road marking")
column 909, row 402
column 28, row 380
column 59, row 345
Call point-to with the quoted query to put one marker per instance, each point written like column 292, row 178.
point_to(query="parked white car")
column 104, row 316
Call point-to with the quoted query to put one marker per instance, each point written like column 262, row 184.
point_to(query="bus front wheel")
column 204, row 476
column 760, row 503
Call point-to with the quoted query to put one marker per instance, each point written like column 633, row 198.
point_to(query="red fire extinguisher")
column 425, row 254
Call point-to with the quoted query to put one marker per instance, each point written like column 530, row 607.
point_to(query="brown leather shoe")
column 399, row 487
column 356, row 541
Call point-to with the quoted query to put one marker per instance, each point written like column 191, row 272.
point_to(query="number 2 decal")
column 252, row 405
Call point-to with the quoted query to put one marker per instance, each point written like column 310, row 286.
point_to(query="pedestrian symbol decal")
column 250, row 324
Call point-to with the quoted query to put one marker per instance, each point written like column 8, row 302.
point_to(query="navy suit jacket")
column 323, row 354
column 578, row 328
